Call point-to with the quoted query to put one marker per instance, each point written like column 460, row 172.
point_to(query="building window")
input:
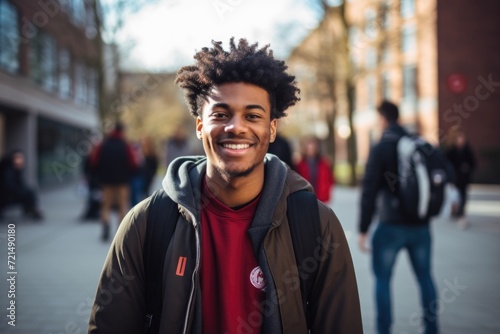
column 92, row 87
column 409, row 83
column 64, row 73
column 80, row 84
column 370, row 91
column 371, row 58
column 408, row 39
column 386, row 86
column 42, row 61
column 9, row 37
column 371, row 24
column 78, row 12
column 407, row 8
column 354, row 45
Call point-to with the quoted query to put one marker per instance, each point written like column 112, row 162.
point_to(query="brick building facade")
column 469, row 78
column 48, row 85
column 436, row 59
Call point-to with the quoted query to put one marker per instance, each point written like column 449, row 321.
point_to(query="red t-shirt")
column 232, row 284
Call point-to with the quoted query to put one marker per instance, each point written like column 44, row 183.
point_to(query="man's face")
column 236, row 128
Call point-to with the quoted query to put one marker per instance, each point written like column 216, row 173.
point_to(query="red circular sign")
column 457, row 83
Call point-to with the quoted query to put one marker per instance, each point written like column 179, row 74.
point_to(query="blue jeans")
column 388, row 240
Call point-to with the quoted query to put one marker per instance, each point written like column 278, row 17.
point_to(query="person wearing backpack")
column 235, row 258
column 386, row 175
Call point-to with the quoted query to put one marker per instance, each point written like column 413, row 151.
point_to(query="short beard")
column 229, row 174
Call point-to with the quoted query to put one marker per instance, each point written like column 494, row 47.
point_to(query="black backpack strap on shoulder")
column 305, row 228
column 161, row 222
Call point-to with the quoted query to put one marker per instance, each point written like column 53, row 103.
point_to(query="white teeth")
column 236, row 146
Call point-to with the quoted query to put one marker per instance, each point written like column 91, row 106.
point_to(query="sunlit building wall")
column 48, row 85
column 438, row 60
column 393, row 49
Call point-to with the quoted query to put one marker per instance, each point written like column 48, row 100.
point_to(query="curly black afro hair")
column 242, row 63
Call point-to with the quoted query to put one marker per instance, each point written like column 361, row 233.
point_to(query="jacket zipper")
column 195, row 273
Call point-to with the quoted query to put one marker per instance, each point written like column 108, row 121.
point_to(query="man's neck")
column 235, row 191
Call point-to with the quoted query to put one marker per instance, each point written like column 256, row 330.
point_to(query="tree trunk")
column 352, row 156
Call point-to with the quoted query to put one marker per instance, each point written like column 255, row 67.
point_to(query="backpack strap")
column 161, row 221
column 303, row 218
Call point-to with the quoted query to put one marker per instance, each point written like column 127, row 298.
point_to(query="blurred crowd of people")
column 118, row 174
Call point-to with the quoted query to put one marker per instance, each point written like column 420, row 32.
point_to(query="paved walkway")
column 58, row 263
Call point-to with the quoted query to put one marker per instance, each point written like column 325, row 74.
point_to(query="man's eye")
column 253, row 116
column 218, row 115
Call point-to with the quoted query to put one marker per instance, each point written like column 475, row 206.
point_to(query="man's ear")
column 274, row 125
column 199, row 127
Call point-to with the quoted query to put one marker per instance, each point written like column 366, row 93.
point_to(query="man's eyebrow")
column 220, row 105
column 255, row 106
column 227, row 107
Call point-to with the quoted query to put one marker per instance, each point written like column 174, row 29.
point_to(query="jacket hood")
column 182, row 184
column 394, row 131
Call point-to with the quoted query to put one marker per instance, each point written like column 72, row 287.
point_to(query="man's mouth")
column 236, row 146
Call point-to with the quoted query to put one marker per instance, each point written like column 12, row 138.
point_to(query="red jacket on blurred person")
column 316, row 169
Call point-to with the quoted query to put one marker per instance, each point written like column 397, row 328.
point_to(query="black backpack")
column 162, row 218
column 422, row 175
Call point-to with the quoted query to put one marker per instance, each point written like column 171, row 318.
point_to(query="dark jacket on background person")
column 114, row 161
column 148, row 170
column 381, row 176
column 12, row 183
column 463, row 162
column 281, row 148
column 14, row 189
column 120, row 301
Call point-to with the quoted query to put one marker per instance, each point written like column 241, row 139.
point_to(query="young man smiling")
column 230, row 266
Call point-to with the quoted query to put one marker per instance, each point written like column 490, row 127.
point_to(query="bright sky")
column 166, row 35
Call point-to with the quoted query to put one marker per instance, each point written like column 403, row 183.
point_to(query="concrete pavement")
column 58, row 263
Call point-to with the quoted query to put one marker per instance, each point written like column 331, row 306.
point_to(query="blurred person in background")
column 461, row 157
column 281, row 148
column 149, row 164
column 394, row 232
column 93, row 191
column 177, row 146
column 115, row 164
column 13, row 187
column 316, row 169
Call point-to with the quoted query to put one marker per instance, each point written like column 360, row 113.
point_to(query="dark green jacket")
column 120, row 306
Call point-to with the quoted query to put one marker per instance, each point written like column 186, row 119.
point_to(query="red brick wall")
column 469, row 45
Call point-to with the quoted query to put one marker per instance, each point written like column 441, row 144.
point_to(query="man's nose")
column 236, row 124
